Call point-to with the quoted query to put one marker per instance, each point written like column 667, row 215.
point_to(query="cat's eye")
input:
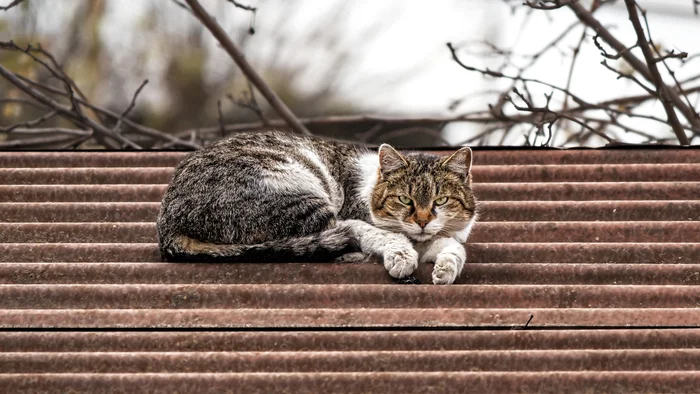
column 405, row 200
column 440, row 201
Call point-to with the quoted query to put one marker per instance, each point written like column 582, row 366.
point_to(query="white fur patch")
column 368, row 164
column 449, row 257
column 464, row 234
column 336, row 192
column 400, row 259
column 294, row 178
column 431, row 250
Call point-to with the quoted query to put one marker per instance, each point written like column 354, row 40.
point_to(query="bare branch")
column 249, row 102
column 630, row 76
column 242, row 6
column 182, row 5
column 22, row 101
column 587, row 17
column 129, row 107
column 63, row 110
column 661, row 89
column 222, row 129
column 606, row 55
column 282, row 110
column 548, row 4
column 36, row 142
column 52, row 130
column 144, row 130
column 499, row 74
column 15, row 3
column 669, row 55
column 662, row 59
column 545, row 110
column 30, row 123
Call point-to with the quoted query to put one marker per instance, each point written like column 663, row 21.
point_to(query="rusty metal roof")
column 601, row 247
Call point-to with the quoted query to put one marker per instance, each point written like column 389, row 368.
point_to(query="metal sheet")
column 483, row 232
column 339, row 318
column 587, row 191
column 81, row 193
column 600, row 247
column 565, row 253
column 336, row 341
column 352, row 361
column 342, row 296
column 368, row 382
column 370, row 272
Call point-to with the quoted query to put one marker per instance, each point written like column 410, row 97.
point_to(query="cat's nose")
column 422, row 223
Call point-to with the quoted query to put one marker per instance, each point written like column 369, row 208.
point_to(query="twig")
column 242, row 6
column 30, row 123
column 34, row 142
column 630, row 76
column 661, row 88
column 51, row 130
column 148, row 131
column 182, row 5
column 607, row 55
column 221, row 119
column 499, row 74
column 22, row 101
column 129, row 107
column 13, row 4
column 282, row 110
column 586, row 17
column 63, row 110
column 75, row 143
column 544, row 4
column 556, row 115
column 569, row 78
column 574, row 57
column 251, row 103
column 57, row 71
column 671, row 55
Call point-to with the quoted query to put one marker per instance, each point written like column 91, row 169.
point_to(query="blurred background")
column 332, row 57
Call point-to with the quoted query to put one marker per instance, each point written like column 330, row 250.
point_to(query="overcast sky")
column 413, row 38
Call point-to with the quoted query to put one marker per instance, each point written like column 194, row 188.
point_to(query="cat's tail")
column 323, row 246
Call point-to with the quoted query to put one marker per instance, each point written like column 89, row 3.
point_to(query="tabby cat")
column 279, row 196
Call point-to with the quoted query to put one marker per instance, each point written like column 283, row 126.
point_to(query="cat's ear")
column 390, row 160
column 460, row 161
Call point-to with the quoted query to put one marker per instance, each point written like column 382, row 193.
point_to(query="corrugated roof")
column 600, row 247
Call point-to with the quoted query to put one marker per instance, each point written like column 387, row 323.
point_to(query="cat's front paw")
column 446, row 269
column 401, row 262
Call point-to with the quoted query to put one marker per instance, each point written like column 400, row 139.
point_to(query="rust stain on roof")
column 601, row 247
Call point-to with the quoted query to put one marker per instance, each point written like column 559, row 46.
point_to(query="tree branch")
column 587, row 18
column 129, row 107
column 661, row 89
column 282, row 110
column 36, row 142
column 11, row 5
column 63, row 110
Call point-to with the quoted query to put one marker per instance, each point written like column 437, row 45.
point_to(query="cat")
column 277, row 196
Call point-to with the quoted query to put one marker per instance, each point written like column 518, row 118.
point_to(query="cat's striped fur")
column 277, row 196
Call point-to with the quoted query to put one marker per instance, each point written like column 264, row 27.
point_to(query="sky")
column 411, row 48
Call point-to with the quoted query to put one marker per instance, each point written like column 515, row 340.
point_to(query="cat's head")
column 423, row 196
